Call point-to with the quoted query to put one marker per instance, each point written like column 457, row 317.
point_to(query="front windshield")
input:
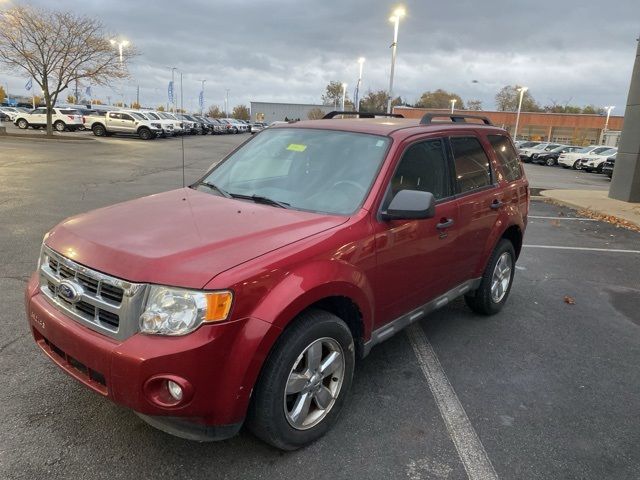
column 598, row 151
column 317, row 170
column 611, row 151
column 559, row 148
column 139, row 116
column 152, row 115
column 166, row 116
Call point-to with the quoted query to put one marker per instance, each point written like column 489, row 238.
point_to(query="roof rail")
column 427, row 118
column 363, row 114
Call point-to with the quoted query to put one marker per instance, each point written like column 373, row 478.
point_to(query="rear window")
column 70, row 112
column 507, row 157
column 473, row 170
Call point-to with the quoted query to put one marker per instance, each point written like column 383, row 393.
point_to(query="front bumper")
column 216, row 364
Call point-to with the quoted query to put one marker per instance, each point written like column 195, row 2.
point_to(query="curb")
column 35, row 136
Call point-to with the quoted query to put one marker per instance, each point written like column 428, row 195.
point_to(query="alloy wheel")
column 501, row 277
column 314, row 383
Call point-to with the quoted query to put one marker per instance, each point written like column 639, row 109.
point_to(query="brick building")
column 568, row 128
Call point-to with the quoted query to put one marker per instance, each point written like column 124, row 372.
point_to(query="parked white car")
column 593, row 162
column 526, row 154
column 131, row 123
column 237, row 126
column 572, row 159
column 178, row 125
column 166, row 124
column 61, row 118
column 10, row 112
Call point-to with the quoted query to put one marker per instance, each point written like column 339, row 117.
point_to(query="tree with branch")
column 58, row 48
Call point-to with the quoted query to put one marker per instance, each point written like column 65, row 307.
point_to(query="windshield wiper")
column 260, row 199
column 215, row 187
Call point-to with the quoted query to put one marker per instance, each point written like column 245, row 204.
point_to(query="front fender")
column 312, row 282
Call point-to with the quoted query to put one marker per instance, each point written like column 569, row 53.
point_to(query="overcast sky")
column 577, row 51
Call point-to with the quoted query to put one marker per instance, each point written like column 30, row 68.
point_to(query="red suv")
column 248, row 296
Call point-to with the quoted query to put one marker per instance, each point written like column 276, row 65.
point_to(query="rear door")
column 414, row 257
column 479, row 201
column 38, row 116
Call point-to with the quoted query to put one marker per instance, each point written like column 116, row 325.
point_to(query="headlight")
column 173, row 311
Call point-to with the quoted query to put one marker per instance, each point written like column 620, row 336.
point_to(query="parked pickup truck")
column 123, row 123
column 247, row 296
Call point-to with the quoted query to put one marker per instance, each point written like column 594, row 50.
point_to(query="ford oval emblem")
column 69, row 291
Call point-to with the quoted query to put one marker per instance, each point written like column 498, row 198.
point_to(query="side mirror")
column 411, row 205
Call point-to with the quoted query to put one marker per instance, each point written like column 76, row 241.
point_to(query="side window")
column 115, row 116
column 473, row 170
column 126, row 116
column 507, row 157
column 423, row 167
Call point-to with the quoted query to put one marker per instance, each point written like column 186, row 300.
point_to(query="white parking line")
column 563, row 218
column 469, row 447
column 586, row 249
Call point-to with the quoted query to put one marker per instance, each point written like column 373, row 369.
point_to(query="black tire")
column 481, row 300
column 576, row 164
column 145, row 134
column 599, row 168
column 59, row 126
column 22, row 124
column 266, row 417
column 550, row 162
column 235, row 130
column 99, row 130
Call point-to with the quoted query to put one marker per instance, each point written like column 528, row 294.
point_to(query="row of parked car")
column 146, row 124
column 594, row 158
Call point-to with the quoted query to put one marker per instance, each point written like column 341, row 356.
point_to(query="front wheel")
column 99, row 131
column 145, row 134
column 577, row 165
column 304, row 382
column 496, row 281
column 550, row 162
column 60, row 126
column 23, row 124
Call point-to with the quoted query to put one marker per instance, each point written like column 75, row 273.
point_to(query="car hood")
column 182, row 237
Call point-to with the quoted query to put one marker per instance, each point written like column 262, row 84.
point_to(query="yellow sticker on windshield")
column 296, row 147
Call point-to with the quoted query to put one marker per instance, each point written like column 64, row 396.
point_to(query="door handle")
column 496, row 204
column 444, row 224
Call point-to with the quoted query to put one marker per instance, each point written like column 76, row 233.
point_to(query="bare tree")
column 315, row 114
column 58, row 48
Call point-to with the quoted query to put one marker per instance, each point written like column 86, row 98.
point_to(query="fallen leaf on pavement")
column 569, row 300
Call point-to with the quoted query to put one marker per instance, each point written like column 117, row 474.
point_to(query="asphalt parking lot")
column 545, row 389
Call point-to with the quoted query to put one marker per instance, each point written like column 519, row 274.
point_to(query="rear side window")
column 70, row 112
column 507, row 157
column 472, row 165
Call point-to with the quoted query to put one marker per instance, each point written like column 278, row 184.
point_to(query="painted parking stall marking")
column 468, row 445
column 585, row 249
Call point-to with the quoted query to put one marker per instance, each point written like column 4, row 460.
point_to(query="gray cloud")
column 287, row 50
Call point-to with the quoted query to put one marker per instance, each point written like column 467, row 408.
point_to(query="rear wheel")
column 60, row 126
column 99, row 130
column 576, row 165
column 23, row 124
column 304, row 382
column 496, row 281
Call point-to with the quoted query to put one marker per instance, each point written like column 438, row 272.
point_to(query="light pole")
column 226, row 103
column 453, row 104
column 398, row 13
column 521, row 90
column 606, row 123
column 344, row 95
column 356, row 100
column 202, row 98
column 120, row 45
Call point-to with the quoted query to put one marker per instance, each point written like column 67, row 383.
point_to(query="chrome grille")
column 106, row 304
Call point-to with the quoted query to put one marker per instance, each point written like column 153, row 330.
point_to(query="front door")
column 415, row 257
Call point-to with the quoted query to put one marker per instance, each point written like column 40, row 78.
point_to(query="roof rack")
column 427, row 118
column 363, row 114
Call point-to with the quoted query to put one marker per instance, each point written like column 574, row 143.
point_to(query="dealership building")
column 271, row 111
column 567, row 128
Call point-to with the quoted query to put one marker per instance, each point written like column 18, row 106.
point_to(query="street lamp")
column 344, row 94
column 453, row 104
column 606, row 123
column 356, row 100
column 521, row 90
column 120, row 45
column 202, row 97
column 398, row 13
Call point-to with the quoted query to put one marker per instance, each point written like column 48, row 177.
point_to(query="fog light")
column 175, row 390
